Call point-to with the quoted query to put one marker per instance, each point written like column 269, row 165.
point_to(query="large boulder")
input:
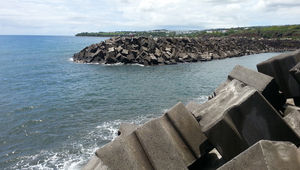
column 268, row 155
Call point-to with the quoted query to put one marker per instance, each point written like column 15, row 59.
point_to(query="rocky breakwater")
column 246, row 124
column 160, row 51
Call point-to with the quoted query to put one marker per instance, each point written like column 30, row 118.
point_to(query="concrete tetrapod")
column 278, row 67
column 266, row 155
column 172, row 141
column 238, row 117
column 263, row 83
column 293, row 118
column 295, row 71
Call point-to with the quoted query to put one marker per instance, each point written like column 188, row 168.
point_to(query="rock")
column 125, row 52
column 278, row 67
column 157, row 52
column 173, row 141
column 160, row 60
column 238, row 117
column 269, row 155
column 111, row 49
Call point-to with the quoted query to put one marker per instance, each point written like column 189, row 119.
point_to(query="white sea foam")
column 136, row 64
column 73, row 156
column 115, row 64
column 71, row 59
column 201, row 99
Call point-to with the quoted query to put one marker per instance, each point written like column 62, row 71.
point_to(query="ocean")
column 55, row 113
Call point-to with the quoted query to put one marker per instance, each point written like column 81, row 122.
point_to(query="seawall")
column 167, row 50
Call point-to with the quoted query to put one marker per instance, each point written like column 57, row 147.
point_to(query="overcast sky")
column 67, row 17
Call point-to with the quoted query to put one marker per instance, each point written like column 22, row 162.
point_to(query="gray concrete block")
column 126, row 128
column 238, row 117
column 278, row 67
column 173, row 141
column 266, row 155
column 295, row 71
column 192, row 106
column 293, row 118
column 123, row 153
column 93, row 163
column 263, row 83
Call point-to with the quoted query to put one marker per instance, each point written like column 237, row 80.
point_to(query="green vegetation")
column 285, row 31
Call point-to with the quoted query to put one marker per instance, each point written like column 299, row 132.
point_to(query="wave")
column 201, row 99
column 115, row 64
column 74, row 155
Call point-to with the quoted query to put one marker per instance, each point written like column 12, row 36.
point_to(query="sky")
column 68, row 17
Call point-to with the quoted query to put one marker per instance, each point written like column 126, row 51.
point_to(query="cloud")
column 69, row 17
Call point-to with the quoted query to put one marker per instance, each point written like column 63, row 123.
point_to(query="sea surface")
column 55, row 113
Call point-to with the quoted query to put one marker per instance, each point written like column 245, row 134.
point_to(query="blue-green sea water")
column 55, row 113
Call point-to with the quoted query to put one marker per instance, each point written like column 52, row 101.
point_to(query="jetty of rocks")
column 172, row 50
column 252, row 121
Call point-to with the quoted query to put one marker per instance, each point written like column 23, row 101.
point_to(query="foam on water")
column 81, row 152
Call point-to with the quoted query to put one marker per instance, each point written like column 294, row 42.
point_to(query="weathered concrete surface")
column 263, row 83
column 238, row 117
column 293, row 118
column 192, row 106
column 126, row 128
column 266, row 155
column 278, row 67
column 295, row 71
column 173, row 141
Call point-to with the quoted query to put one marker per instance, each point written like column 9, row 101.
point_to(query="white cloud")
column 70, row 17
